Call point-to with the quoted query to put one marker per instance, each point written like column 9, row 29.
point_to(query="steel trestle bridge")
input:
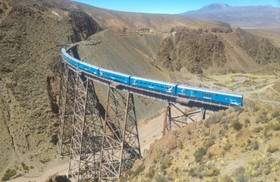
column 103, row 143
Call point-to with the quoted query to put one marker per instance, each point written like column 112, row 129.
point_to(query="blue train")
column 201, row 94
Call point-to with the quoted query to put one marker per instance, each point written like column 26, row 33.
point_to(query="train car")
column 89, row 68
column 69, row 59
column 218, row 97
column 119, row 77
column 164, row 87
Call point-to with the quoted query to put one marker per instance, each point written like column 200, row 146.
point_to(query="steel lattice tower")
column 66, row 110
column 86, row 126
column 120, row 143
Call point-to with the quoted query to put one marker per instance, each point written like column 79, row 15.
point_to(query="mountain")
column 155, row 46
column 264, row 17
column 31, row 34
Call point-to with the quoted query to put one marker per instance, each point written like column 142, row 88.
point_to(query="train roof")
column 114, row 72
column 67, row 55
column 90, row 65
column 210, row 90
column 150, row 80
column 64, row 52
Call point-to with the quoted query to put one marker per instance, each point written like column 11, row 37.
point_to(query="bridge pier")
column 176, row 121
column 203, row 113
column 86, row 132
column 66, row 110
column 120, row 142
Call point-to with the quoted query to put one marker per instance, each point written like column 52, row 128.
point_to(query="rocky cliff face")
column 198, row 50
column 260, row 49
column 83, row 26
column 193, row 49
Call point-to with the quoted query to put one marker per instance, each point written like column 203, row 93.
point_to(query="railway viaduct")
column 102, row 143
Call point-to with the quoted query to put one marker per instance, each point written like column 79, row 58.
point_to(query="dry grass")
column 202, row 155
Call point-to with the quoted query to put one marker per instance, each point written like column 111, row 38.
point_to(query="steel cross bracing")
column 120, row 143
column 86, row 132
column 176, row 121
column 66, row 109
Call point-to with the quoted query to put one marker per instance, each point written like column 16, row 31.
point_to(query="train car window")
column 207, row 95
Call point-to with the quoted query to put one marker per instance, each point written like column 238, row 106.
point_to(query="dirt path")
column 57, row 166
column 149, row 132
column 262, row 89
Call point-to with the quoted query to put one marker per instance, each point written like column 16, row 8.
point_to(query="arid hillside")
column 162, row 47
column 220, row 49
column 239, row 144
column 31, row 36
column 131, row 54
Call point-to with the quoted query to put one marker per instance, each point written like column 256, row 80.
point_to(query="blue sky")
column 169, row 6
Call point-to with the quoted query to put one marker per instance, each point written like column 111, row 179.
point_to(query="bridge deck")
column 189, row 102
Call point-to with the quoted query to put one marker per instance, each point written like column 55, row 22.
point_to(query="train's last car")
column 164, row 87
column 217, row 97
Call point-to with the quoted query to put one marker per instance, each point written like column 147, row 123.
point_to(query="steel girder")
column 178, row 120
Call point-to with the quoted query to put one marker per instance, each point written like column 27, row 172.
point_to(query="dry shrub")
column 164, row 147
column 275, row 127
column 9, row 174
column 151, row 172
column 237, row 125
column 227, row 178
column 211, row 171
column 240, row 175
column 199, row 153
column 209, row 142
column 57, row 178
column 165, row 163
column 272, row 148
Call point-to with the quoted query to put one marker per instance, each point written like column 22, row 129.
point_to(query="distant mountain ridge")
column 264, row 17
column 216, row 6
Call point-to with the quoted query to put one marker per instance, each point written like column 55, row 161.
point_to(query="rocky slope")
column 238, row 144
column 30, row 39
column 218, row 48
